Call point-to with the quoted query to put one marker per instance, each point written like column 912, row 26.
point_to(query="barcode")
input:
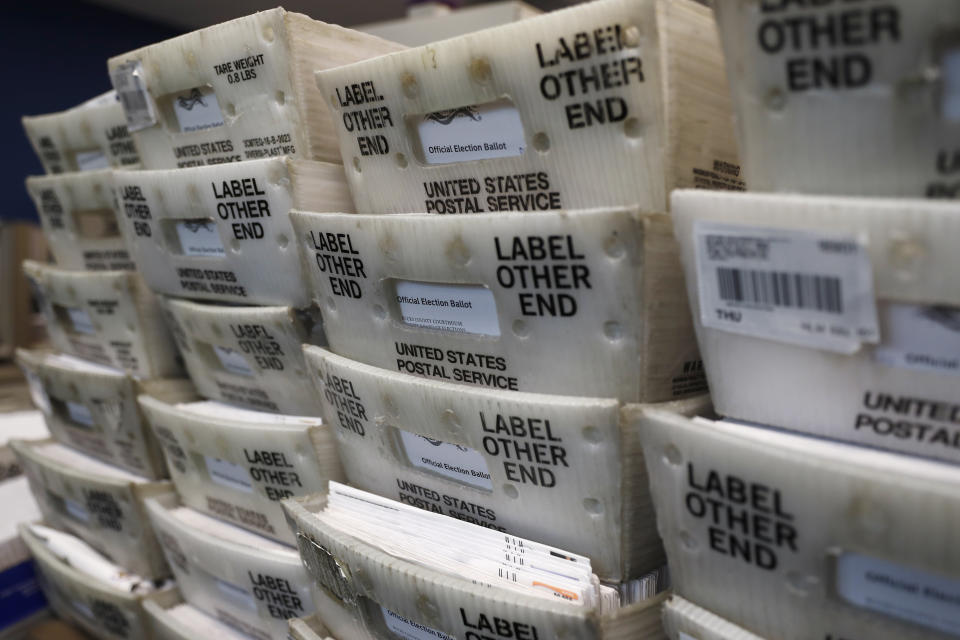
column 781, row 289
column 133, row 100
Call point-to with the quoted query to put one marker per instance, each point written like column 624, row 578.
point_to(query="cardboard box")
column 19, row 322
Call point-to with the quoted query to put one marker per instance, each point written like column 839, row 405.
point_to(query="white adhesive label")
column 137, row 104
column 79, row 413
column 456, row 308
column 81, row 321
column 199, row 238
column 449, row 460
column 902, row 592
column 409, row 630
column 91, row 160
column 920, row 337
column 76, row 510
column 196, row 110
column 793, row 286
column 228, row 474
column 684, row 636
column 236, row 595
column 38, row 394
column 491, row 130
column 233, row 361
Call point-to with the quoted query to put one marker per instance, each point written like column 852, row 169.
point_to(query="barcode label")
column 137, row 106
column 802, row 287
column 781, row 289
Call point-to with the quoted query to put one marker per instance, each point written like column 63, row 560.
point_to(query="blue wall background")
column 55, row 56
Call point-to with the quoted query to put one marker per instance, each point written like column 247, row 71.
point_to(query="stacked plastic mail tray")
column 479, row 366
column 827, row 312
column 234, row 134
column 95, row 552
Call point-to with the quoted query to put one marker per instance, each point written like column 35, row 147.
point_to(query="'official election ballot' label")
column 238, row 596
column 247, row 356
column 237, row 465
column 244, row 580
column 820, row 532
column 80, row 321
column 230, row 475
column 233, row 361
column 197, row 110
column 508, row 300
column 924, row 598
column 241, row 90
column 79, row 413
column 876, row 275
column 611, row 104
column 448, row 307
column 840, row 99
column 408, row 630
column 208, row 232
column 93, row 408
column 95, row 501
column 79, row 218
column 91, row 160
column 200, row 238
column 385, row 600
column 451, row 460
column 926, row 338
column 807, row 288
column 95, row 604
column 492, row 130
column 76, row 511
column 88, row 137
column 557, row 469
column 108, row 317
